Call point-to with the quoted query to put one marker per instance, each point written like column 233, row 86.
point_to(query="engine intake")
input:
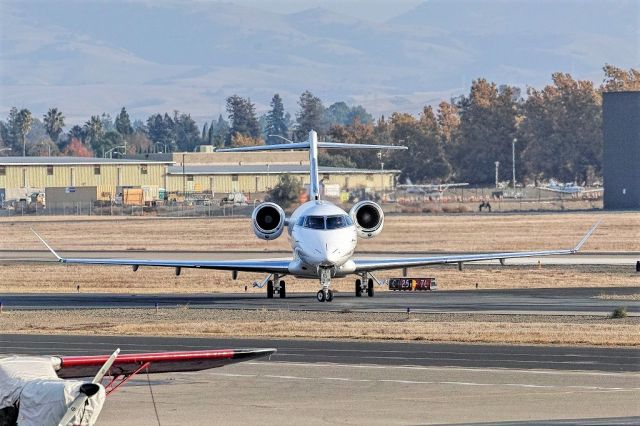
column 268, row 220
column 368, row 218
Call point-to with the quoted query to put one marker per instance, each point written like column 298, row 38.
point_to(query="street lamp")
column 513, row 161
column 110, row 152
column 163, row 144
column 497, row 163
column 5, row 149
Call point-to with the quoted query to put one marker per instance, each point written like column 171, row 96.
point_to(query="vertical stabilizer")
column 314, row 181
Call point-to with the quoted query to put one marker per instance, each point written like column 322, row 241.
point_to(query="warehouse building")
column 199, row 172
column 256, row 178
column 23, row 176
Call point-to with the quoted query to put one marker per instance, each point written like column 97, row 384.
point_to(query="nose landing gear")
column 325, row 295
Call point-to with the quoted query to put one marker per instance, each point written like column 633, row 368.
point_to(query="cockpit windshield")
column 335, row 222
column 315, row 222
column 322, row 222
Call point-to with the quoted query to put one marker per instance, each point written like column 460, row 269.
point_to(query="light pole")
column 163, row 144
column 513, row 161
column 497, row 167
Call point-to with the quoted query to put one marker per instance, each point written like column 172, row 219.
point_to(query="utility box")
column 621, row 156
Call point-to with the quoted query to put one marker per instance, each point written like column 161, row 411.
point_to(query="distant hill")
column 90, row 57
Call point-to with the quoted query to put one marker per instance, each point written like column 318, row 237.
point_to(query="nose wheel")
column 324, row 296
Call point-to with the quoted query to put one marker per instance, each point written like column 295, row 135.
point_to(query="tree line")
column 556, row 131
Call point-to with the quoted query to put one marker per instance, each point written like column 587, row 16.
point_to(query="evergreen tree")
column 276, row 121
column 186, row 132
column 562, row 130
column 219, row 132
column 160, row 131
column 243, row 118
column 488, row 119
column 205, row 132
column 123, row 123
column 310, row 117
column 54, row 122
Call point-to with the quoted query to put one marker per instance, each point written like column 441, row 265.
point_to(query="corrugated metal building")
column 263, row 177
column 32, row 174
column 201, row 172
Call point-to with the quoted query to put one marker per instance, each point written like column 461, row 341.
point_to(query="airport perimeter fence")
column 90, row 209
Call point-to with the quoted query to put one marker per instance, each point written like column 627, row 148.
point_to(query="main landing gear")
column 360, row 288
column 281, row 289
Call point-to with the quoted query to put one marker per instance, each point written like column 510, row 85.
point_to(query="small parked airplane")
column 39, row 390
column 568, row 188
column 429, row 189
column 323, row 238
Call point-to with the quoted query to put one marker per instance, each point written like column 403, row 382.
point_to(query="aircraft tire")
column 370, row 291
column 269, row 289
column 358, row 288
column 320, row 296
column 283, row 290
column 329, row 295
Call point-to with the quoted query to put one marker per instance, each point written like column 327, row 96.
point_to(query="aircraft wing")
column 279, row 266
column 370, row 265
column 70, row 367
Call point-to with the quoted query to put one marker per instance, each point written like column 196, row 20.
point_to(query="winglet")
column 47, row 245
column 586, row 236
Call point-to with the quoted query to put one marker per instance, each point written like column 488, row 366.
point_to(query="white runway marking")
column 448, row 368
column 420, row 382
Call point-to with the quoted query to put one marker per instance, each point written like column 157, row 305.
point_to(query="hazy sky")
column 372, row 10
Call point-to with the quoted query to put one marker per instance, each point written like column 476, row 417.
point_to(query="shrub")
column 619, row 312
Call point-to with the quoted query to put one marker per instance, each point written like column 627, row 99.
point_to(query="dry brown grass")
column 508, row 329
column 605, row 296
column 619, row 232
column 57, row 278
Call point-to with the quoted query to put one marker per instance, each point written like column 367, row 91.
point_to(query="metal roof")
column 252, row 169
column 72, row 161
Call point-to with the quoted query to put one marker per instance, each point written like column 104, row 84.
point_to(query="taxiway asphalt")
column 545, row 301
column 321, row 382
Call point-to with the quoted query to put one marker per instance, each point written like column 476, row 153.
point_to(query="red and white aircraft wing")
column 156, row 362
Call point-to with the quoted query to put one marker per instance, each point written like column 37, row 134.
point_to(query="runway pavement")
column 320, row 382
column 44, row 255
column 568, row 301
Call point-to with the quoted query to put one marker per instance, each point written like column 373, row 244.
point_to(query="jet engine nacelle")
column 368, row 218
column 268, row 220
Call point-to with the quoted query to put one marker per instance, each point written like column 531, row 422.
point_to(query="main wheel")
column 269, row 289
column 358, row 288
column 283, row 290
column 370, row 287
column 329, row 295
column 320, row 296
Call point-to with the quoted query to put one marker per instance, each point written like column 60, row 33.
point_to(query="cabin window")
column 190, row 178
column 234, row 178
column 369, row 177
column 96, row 170
column 3, row 170
column 49, row 170
column 143, row 169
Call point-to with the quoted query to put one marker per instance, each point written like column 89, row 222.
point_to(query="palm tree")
column 25, row 120
column 94, row 130
column 53, row 123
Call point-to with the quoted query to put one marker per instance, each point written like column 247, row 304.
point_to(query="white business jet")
column 323, row 238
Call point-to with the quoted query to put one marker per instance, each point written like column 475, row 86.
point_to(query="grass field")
column 510, row 329
column 619, row 232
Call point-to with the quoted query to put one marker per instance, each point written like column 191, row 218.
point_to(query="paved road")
column 43, row 255
column 320, row 382
column 532, row 301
